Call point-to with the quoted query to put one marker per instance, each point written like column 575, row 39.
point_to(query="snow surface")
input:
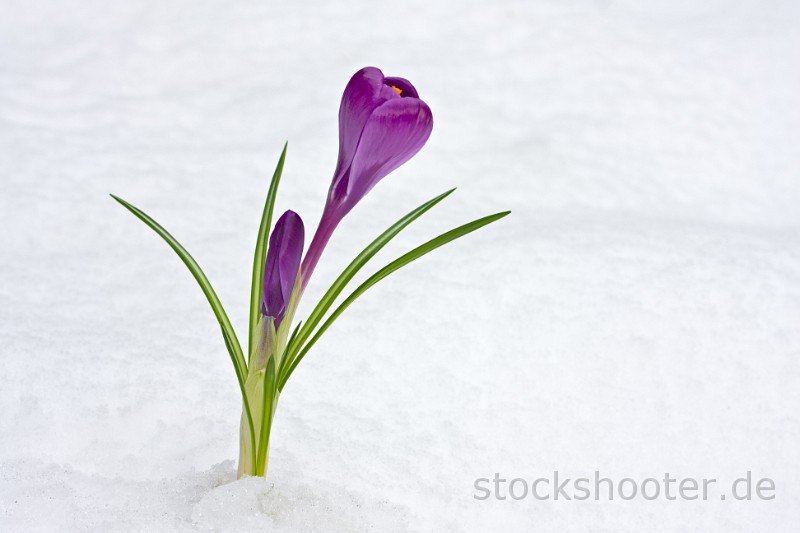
column 637, row 314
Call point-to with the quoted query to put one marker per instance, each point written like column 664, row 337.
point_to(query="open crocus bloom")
column 382, row 124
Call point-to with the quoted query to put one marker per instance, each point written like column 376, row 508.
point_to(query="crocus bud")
column 382, row 124
column 283, row 263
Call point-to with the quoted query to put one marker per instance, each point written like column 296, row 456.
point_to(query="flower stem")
column 269, row 390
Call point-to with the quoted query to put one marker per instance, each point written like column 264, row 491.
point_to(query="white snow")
column 637, row 314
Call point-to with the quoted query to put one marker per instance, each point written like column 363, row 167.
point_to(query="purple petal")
column 283, row 262
column 365, row 91
column 392, row 135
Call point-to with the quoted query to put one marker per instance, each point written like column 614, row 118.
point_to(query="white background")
column 637, row 313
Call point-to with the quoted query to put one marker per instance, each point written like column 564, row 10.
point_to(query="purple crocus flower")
column 382, row 124
column 283, row 263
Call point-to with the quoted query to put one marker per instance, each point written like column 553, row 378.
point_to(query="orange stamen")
column 399, row 91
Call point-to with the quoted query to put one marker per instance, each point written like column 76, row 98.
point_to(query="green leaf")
column 344, row 278
column 231, row 342
column 398, row 263
column 261, row 250
column 266, row 423
column 291, row 341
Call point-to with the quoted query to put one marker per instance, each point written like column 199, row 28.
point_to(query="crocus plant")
column 382, row 124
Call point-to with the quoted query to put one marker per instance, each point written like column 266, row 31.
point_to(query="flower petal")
column 394, row 132
column 283, row 262
column 365, row 91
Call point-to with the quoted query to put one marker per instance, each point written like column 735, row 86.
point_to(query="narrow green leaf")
column 231, row 342
column 266, row 423
column 398, row 263
column 289, row 345
column 228, row 333
column 261, row 250
column 347, row 274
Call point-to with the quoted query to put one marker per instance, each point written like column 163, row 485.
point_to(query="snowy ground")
column 637, row 314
